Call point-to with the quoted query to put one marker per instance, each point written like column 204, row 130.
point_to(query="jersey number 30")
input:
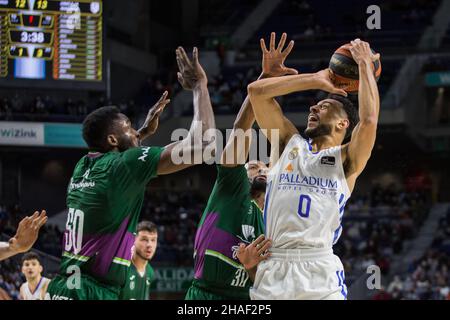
column 74, row 231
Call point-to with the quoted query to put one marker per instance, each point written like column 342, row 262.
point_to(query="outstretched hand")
column 273, row 59
column 250, row 256
column 151, row 122
column 27, row 232
column 191, row 73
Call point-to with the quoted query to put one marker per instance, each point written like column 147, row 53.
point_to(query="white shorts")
column 300, row 274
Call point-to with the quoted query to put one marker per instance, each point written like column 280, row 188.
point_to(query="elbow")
column 369, row 121
column 254, row 89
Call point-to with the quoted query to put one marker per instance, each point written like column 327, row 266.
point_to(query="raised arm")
column 237, row 148
column 263, row 92
column 357, row 152
column 192, row 77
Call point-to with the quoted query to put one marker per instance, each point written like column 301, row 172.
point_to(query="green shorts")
column 88, row 289
column 197, row 292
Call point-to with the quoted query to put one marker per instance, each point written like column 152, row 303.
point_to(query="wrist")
column 201, row 84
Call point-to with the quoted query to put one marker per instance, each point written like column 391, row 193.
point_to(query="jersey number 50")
column 74, row 231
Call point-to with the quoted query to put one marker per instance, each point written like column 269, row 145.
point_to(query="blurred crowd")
column 375, row 227
column 428, row 278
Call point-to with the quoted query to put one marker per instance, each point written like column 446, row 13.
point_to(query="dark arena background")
column 59, row 63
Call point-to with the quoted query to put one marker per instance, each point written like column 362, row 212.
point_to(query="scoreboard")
column 52, row 40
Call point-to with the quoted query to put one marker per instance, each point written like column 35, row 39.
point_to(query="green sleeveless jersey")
column 104, row 198
column 137, row 286
column 231, row 217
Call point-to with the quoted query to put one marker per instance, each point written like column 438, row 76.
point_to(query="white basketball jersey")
column 37, row 294
column 305, row 197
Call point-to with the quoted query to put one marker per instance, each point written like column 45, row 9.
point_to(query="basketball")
column 345, row 69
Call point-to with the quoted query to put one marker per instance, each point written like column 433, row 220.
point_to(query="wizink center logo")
column 18, row 133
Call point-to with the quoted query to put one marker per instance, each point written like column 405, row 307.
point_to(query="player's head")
column 31, row 265
column 146, row 240
column 334, row 115
column 257, row 176
column 107, row 129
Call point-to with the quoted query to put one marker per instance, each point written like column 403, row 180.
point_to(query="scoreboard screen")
column 52, row 40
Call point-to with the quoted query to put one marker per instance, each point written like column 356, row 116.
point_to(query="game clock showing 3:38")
column 53, row 40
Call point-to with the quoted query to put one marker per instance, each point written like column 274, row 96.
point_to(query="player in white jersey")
column 311, row 181
column 36, row 286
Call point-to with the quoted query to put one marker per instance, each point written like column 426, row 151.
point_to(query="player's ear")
column 41, row 268
column 112, row 140
column 343, row 124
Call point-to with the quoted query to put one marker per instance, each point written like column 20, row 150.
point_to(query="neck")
column 259, row 199
column 325, row 142
column 33, row 282
column 139, row 262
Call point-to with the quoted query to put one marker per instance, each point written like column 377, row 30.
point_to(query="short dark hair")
column 30, row 256
column 147, row 226
column 350, row 110
column 97, row 125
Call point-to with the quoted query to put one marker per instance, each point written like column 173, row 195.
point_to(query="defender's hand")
column 191, row 74
column 361, row 52
column 151, row 122
column 273, row 59
column 27, row 232
column 250, row 256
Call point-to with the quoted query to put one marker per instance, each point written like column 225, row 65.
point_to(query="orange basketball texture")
column 345, row 69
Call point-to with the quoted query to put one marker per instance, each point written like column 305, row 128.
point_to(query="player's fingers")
column 340, row 92
column 265, row 246
column 282, row 42
column 184, row 56
column 41, row 222
column 163, row 97
column 288, row 48
column 264, row 256
column 376, row 57
column 195, row 55
column 179, row 63
column 272, row 41
column 258, row 240
column 262, row 43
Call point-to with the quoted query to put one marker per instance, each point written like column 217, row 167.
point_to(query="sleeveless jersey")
column 104, row 197
column 37, row 294
column 305, row 197
column 230, row 217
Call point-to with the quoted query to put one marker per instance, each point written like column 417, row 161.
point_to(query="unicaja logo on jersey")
column 248, row 231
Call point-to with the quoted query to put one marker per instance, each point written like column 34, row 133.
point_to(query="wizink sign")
column 21, row 133
column 41, row 134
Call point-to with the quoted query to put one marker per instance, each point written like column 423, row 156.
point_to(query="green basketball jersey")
column 104, row 198
column 231, row 217
column 137, row 286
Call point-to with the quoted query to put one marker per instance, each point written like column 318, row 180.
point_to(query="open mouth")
column 313, row 118
column 261, row 178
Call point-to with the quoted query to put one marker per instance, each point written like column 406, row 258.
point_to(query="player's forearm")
column 203, row 111
column 6, row 251
column 280, row 86
column 369, row 99
column 238, row 144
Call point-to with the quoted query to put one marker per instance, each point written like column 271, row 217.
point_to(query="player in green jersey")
column 106, row 191
column 140, row 274
column 233, row 214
